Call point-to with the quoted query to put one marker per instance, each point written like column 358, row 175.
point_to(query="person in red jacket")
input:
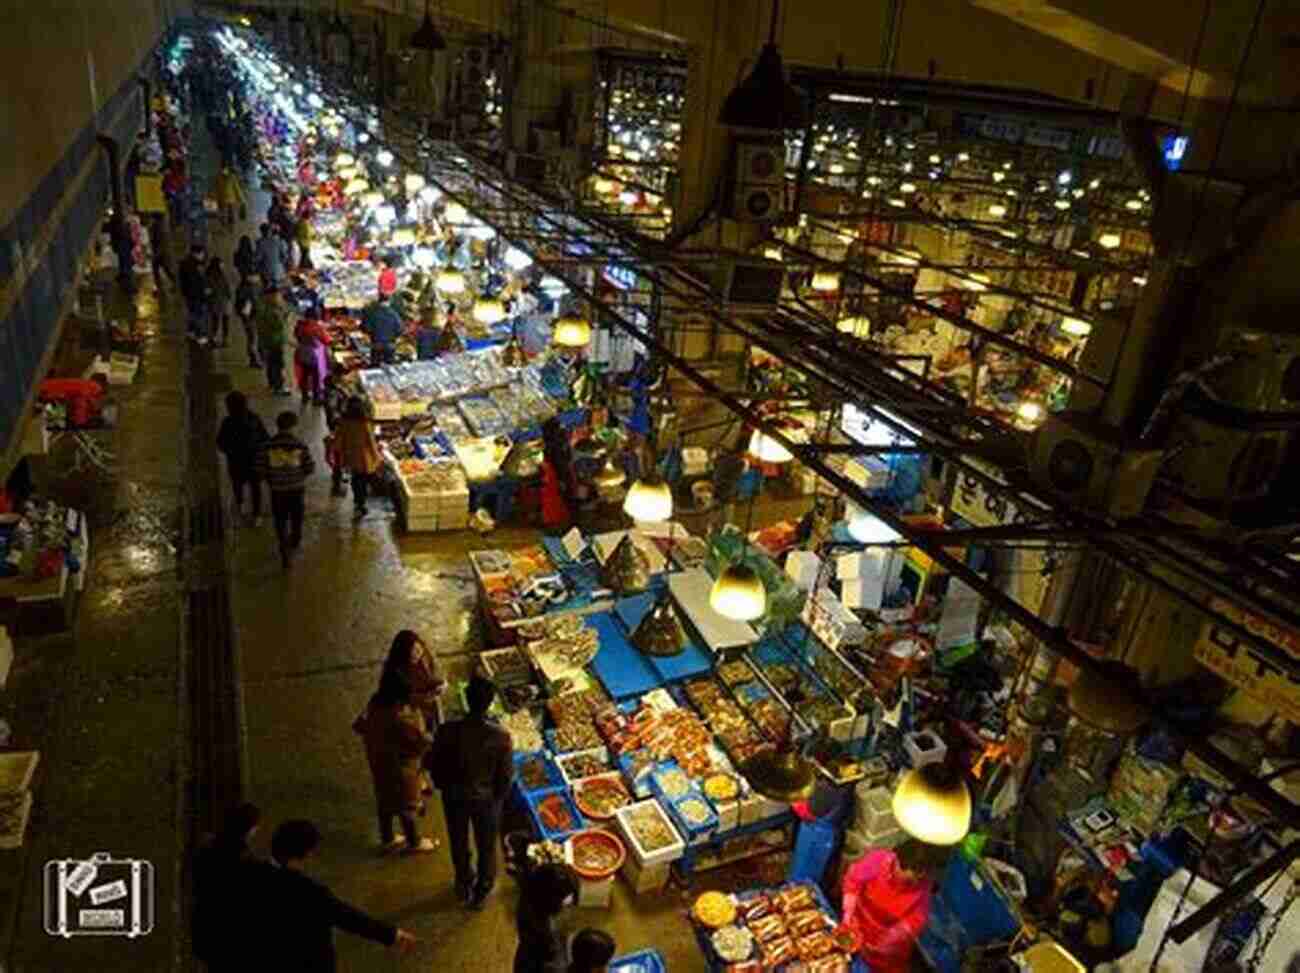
column 387, row 279
column 887, row 901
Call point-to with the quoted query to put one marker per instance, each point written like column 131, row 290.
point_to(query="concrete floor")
column 106, row 706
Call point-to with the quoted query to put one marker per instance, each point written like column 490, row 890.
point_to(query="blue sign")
column 1175, row 147
column 624, row 278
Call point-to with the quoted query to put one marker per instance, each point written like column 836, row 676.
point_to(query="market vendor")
column 887, row 901
column 383, row 325
column 821, row 830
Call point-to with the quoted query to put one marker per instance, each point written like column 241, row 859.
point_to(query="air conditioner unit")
column 759, row 181
column 749, row 283
column 1087, row 464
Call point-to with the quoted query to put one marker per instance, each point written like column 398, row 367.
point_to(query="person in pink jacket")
column 887, row 901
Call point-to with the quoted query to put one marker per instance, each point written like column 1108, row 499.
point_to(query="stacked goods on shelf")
column 434, row 494
column 16, row 771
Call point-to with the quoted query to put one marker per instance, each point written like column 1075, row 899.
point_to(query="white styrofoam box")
column 728, row 815
column 803, row 568
column 924, row 747
column 598, row 752
column 6, row 655
column 665, row 855
column 847, row 566
column 866, row 593
column 873, row 809
column 645, row 878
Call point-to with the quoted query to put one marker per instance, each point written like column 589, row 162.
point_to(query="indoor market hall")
column 561, row 486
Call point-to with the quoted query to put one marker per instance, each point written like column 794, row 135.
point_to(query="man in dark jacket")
column 194, row 288
column 383, row 325
column 296, row 931
column 241, row 434
column 285, row 462
column 224, row 871
column 471, row 763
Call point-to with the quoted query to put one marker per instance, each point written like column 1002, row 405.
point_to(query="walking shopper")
column 160, row 260
column 591, row 951
column 395, row 739
column 245, row 258
column 230, row 196
column 358, row 451
column 383, row 325
column 285, row 462
column 272, row 334
column 194, row 288
column 411, row 659
column 240, row 437
column 311, row 357
column 544, row 894
column 471, row 764
column 296, row 929
column 272, row 256
column 218, row 302
column 245, row 304
column 224, row 869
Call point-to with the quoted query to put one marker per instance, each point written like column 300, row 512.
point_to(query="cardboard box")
column 803, row 568
column 595, row 895
column 647, row 878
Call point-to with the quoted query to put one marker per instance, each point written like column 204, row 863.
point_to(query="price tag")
column 573, row 543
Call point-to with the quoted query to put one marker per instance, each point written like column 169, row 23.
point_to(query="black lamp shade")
column 427, row 37
column 765, row 100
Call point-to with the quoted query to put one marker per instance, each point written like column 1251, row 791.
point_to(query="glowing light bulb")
column 414, row 182
column 1030, row 413
column 1073, row 326
column 1065, row 177
column 907, row 187
column 1109, row 240
column 384, row 158
column 1062, row 204
column 517, row 259
column 1133, row 204
column 997, row 209
column 999, row 176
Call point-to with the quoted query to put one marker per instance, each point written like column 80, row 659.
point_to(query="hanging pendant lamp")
column 427, row 37
column 933, row 805
column 609, row 476
column 780, row 775
column 660, row 633
column 450, row 281
column 650, row 500
column 488, row 310
column 628, row 568
column 765, row 100
column 739, row 594
column 571, row 331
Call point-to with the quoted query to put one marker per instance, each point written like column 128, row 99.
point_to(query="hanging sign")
column 1245, row 667
column 973, row 503
column 149, row 194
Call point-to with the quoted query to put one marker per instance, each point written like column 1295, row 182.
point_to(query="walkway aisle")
column 102, row 706
column 311, row 643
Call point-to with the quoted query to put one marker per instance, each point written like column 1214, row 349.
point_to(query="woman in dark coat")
column 410, row 658
column 245, row 258
column 545, row 893
column 395, row 741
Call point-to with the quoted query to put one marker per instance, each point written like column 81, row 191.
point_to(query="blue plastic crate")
column 533, row 799
column 694, row 832
column 642, row 961
column 553, row 776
